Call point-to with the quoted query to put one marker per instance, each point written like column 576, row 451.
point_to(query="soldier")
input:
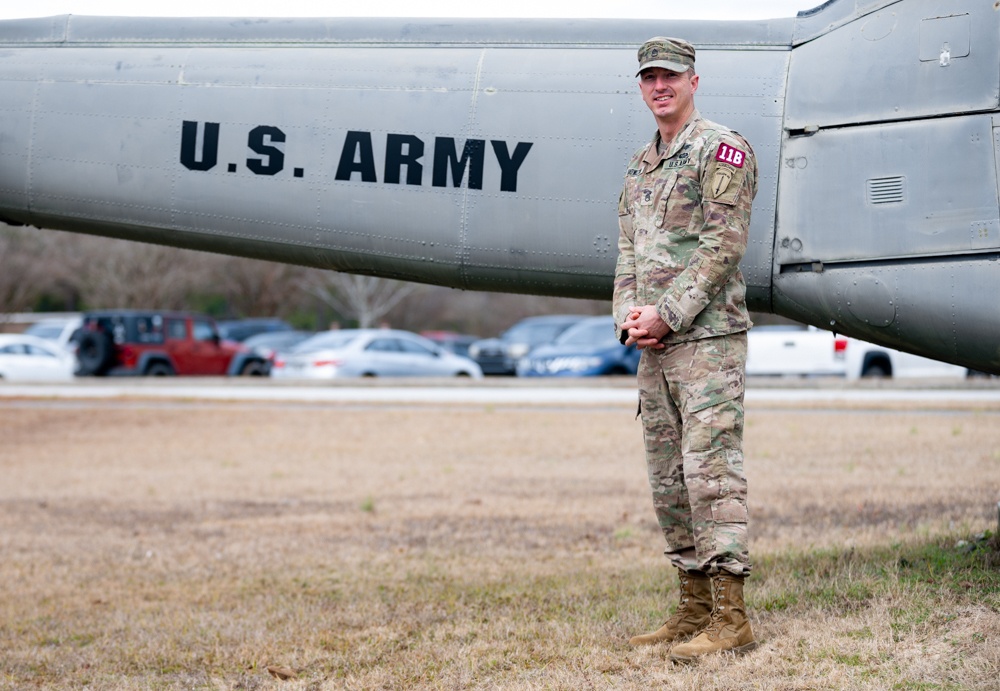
column 683, row 217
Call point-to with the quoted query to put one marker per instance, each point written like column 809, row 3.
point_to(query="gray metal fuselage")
column 488, row 155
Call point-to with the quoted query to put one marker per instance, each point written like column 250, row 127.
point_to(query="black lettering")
column 274, row 158
column 357, row 156
column 509, row 165
column 396, row 159
column 446, row 157
column 209, row 145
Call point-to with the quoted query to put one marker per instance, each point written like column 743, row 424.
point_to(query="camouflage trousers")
column 691, row 403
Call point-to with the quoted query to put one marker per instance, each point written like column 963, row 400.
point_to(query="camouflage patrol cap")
column 674, row 54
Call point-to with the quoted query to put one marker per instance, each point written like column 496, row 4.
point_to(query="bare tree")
column 483, row 313
column 258, row 288
column 20, row 269
column 73, row 269
column 366, row 299
column 124, row 274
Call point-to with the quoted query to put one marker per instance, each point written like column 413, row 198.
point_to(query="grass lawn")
column 193, row 546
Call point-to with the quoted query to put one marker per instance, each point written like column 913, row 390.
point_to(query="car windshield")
column 26, row 349
column 49, row 331
column 325, row 341
column 596, row 333
column 541, row 332
column 276, row 339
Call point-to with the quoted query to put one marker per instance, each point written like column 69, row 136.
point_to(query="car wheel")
column 875, row 370
column 254, row 368
column 95, row 353
column 463, row 374
column 159, row 369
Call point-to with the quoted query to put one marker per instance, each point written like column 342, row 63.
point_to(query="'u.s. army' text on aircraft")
column 488, row 155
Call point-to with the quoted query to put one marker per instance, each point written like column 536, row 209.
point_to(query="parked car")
column 795, row 350
column 370, row 353
column 28, row 358
column 242, row 329
column 587, row 348
column 500, row 355
column 800, row 350
column 60, row 330
column 455, row 342
column 137, row 342
column 865, row 359
column 270, row 343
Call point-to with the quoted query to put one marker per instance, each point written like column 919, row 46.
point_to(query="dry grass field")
column 183, row 545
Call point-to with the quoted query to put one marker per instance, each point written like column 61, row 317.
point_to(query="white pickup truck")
column 800, row 350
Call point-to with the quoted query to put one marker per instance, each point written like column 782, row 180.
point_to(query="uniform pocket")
column 716, row 389
column 625, row 226
column 729, row 510
column 663, row 201
column 625, row 216
column 714, row 412
column 680, row 203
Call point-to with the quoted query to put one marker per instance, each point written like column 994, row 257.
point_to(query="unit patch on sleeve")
column 726, row 174
column 720, row 181
column 731, row 155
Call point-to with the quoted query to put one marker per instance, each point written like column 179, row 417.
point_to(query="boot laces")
column 682, row 608
column 716, row 619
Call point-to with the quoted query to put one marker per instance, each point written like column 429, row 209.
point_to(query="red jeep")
column 134, row 342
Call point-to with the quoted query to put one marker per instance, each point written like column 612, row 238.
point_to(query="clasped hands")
column 645, row 327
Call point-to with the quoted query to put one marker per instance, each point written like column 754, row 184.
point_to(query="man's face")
column 669, row 95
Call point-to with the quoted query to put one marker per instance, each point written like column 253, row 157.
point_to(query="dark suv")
column 138, row 342
column 500, row 355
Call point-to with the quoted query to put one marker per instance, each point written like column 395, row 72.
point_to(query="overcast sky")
column 652, row 9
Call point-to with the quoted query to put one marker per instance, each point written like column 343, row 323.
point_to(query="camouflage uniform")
column 684, row 215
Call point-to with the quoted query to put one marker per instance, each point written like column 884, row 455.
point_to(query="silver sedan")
column 370, row 353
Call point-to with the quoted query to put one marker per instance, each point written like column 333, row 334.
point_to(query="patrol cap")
column 674, row 54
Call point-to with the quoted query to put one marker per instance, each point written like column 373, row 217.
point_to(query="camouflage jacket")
column 683, row 220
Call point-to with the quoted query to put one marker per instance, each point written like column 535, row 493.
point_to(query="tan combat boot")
column 729, row 628
column 692, row 613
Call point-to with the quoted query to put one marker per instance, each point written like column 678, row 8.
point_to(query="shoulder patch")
column 720, row 181
column 726, row 171
column 731, row 155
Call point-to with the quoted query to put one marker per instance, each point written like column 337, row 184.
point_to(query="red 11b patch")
column 730, row 155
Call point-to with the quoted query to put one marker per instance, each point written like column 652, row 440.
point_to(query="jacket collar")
column 651, row 158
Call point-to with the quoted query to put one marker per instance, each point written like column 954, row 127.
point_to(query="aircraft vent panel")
column 886, row 190
column 848, row 195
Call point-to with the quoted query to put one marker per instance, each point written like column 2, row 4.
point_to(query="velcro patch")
column 731, row 155
column 720, row 181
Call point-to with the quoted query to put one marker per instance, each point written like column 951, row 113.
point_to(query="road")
column 610, row 391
